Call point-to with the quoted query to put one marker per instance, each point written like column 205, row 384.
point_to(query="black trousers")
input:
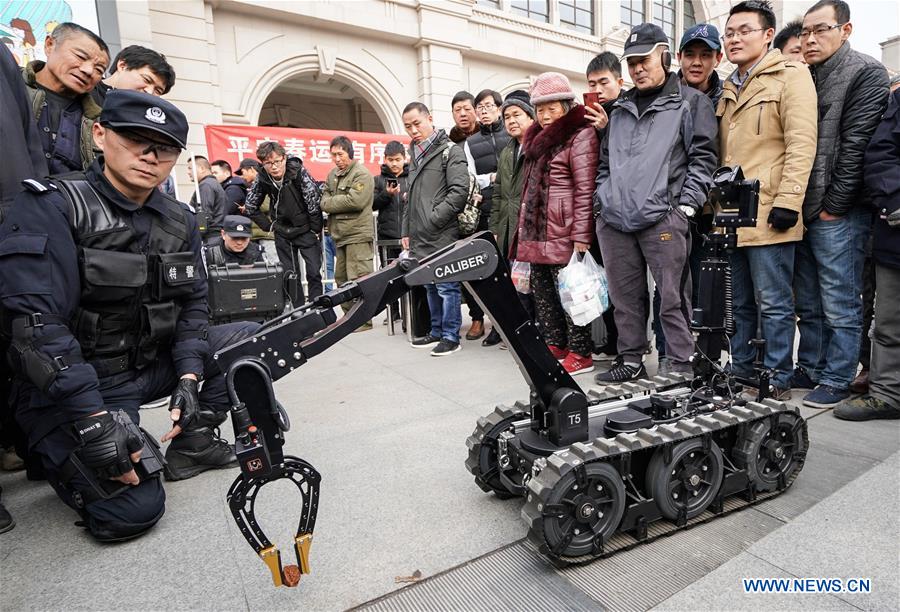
column 138, row 507
column 289, row 255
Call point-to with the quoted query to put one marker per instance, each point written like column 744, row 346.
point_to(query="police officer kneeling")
column 235, row 246
column 105, row 300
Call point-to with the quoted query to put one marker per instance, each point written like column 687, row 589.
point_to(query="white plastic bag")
column 521, row 276
column 582, row 289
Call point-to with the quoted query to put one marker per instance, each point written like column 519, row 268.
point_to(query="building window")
column 632, row 12
column 533, row 9
column 664, row 17
column 689, row 18
column 577, row 15
column 491, row 3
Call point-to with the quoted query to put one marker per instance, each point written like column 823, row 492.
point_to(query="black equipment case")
column 246, row 293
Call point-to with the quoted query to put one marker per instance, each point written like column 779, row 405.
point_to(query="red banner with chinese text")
column 234, row 143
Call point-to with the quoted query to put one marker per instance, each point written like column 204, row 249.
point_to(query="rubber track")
column 607, row 449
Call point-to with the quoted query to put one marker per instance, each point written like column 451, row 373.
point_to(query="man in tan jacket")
column 767, row 125
column 348, row 201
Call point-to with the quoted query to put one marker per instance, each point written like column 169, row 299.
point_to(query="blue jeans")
column 764, row 273
column 444, row 302
column 330, row 254
column 828, row 288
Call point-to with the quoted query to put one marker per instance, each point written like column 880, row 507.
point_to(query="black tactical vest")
column 130, row 295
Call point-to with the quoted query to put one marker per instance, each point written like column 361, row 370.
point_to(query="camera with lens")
column 736, row 198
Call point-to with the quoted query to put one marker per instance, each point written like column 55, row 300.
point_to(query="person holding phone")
column 604, row 77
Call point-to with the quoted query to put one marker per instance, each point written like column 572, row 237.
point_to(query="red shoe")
column 578, row 364
column 558, row 353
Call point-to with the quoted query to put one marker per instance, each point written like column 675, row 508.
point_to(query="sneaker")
column 620, row 372
column 476, row 331
column 667, row 367
column 607, row 352
column 866, row 408
column 577, row 364
column 825, row 396
column 800, row 379
column 558, row 353
column 428, row 341
column 195, row 451
column 445, row 347
column 492, row 339
column 860, row 384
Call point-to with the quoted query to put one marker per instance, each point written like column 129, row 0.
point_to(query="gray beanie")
column 518, row 98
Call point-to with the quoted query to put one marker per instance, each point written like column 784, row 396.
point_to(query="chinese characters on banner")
column 234, row 143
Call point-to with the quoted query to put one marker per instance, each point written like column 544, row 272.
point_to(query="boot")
column 196, row 450
column 860, row 384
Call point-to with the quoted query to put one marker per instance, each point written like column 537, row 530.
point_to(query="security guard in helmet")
column 104, row 300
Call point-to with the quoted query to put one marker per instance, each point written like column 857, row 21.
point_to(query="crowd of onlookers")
column 625, row 175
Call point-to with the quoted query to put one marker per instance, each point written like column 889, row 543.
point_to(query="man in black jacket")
column 294, row 208
column 853, row 92
column 482, row 152
column 208, row 197
column 234, row 186
column 390, row 186
column 882, row 180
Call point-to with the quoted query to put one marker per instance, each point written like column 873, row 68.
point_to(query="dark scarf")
column 540, row 146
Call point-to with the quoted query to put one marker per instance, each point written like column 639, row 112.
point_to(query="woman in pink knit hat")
column 561, row 151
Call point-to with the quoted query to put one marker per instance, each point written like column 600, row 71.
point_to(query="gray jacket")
column 853, row 94
column 438, row 188
column 652, row 162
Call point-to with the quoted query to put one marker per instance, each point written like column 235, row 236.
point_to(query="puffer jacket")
column 882, row 178
column 769, row 129
column 438, row 188
column 656, row 160
column 347, row 199
column 560, row 163
column 853, row 92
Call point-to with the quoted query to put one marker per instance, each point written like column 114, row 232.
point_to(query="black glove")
column 783, row 218
column 107, row 443
column 186, row 399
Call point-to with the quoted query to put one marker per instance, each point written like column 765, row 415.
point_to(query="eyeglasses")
column 273, row 163
column 819, row 30
column 485, row 108
column 739, row 33
column 140, row 145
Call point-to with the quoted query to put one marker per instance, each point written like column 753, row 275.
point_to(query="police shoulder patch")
column 38, row 186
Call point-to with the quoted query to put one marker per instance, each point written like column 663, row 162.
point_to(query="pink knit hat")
column 549, row 87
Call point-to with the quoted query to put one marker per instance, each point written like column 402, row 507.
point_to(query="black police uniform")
column 105, row 302
column 219, row 255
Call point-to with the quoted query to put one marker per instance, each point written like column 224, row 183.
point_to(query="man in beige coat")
column 768, row 126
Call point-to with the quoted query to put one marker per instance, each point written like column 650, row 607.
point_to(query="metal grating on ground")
column 512, row 578
column 646, row 575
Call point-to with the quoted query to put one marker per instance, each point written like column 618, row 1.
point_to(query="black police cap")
column 124, row 108
column 237, row 226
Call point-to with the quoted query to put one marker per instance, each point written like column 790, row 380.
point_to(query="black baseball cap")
column 247, row 163
column 704, row 32
column 643, row 39
column 124, row 108
column 237, row 226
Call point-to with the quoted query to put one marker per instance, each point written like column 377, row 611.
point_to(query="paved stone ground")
column 386, row 426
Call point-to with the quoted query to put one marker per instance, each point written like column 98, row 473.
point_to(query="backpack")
column 471, row 213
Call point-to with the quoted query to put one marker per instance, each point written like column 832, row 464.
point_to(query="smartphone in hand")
column 591, row 98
